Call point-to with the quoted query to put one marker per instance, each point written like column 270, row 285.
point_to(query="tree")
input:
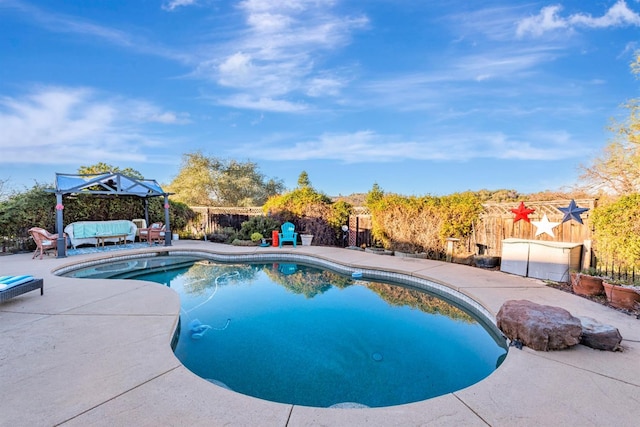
column 312, row 211
column 241, row 184
column 3, row 182
column 209, row 181
column 100, row 167
column 617, row 170
column 194, row 184
column 32, row 208
column 303, row 180
column 374, row 195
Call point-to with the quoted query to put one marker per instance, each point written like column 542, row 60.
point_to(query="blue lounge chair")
column 287, row 234
column 12, row 286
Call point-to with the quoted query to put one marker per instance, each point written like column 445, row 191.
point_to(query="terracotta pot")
column 583, row 284
column 621, row 296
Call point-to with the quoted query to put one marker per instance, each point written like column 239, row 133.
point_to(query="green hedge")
column 422, row 224
column 617, row 231
column 36, row 208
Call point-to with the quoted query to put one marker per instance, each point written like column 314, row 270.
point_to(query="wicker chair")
column 44, row 240
column 155, row 233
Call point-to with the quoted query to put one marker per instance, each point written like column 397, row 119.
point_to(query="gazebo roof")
column 111, row 183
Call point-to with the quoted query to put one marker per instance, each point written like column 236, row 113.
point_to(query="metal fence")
column 616, row 271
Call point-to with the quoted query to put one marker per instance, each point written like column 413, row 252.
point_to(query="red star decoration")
column 522, row 212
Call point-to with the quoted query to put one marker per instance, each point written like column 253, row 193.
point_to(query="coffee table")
column 122, row 239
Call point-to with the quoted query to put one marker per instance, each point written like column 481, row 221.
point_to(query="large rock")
column 540, row 327
column 599, row 336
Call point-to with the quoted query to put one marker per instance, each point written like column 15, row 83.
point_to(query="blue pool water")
column 298, row 334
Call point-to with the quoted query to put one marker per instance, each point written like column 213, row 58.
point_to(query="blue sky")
column 421, row 97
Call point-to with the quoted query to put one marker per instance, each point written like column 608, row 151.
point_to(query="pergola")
column 110, row 184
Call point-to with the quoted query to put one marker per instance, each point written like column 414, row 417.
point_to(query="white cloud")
column 367, row 146
column 75, row 126
column 174, row 4
column 619, row 15
column 494, row 23
column 492, row 75
column 268, row 22
column 145, row 112
column 236, row 70
column 61, row 23
column 549, row 19
column 324, row 86
column 245, row 101
column 278, row 53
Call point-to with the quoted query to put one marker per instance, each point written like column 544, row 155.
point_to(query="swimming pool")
column 295, row 333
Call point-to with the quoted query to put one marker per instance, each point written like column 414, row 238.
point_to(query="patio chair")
column 44, row 240
column 12, row 286
column 155, row 233
column 287, row 234
column 141, row 223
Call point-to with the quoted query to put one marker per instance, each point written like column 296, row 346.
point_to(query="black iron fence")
column 619, row 272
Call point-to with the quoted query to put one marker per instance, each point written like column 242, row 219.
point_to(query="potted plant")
column 621, row 293
column 306, row 239
column 586, row 282
column 257, row 238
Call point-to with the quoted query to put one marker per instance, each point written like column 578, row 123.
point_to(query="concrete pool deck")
column 97, row 352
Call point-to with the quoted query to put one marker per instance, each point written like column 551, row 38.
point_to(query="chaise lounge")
column 12, row 286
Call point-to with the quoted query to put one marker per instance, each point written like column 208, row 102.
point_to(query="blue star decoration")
column 572, row 212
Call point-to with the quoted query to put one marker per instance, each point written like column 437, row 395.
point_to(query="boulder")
column 599, row 336
column 540, row 327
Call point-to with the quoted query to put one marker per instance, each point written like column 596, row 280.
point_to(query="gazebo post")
column 61, row 243
column 167, row 233
column 146, row 212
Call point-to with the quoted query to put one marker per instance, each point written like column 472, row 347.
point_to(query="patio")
column 96, row 352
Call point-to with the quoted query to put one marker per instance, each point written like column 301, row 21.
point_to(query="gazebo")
column 111, row 184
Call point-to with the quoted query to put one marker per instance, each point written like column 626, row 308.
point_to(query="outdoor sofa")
column 94, row 232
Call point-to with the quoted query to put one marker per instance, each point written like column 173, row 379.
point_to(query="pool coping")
column 96, row 352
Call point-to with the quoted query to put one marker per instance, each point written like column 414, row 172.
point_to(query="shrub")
column 422, row 224
column 311, row 212
column 258, row 224
column 240, row 242
column 617, row 231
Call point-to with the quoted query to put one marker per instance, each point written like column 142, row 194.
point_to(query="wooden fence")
column 495, row 224
column 360, row 226
column 212, row 219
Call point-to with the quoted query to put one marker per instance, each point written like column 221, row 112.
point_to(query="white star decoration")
column 544, row 226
